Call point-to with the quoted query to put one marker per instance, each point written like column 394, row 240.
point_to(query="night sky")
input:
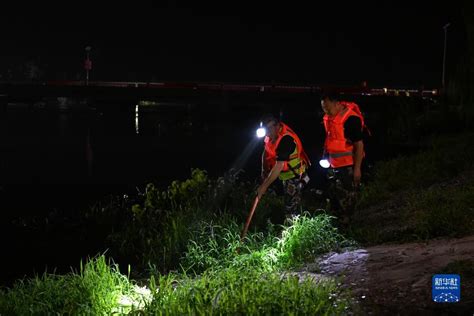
column 394, row 43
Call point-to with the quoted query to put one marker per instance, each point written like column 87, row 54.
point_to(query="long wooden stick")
column 249, row 218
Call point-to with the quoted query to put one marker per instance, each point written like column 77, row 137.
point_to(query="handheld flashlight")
column 324, row 163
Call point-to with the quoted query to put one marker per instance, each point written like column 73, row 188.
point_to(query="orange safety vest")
column 298, row 160
column 338, row 148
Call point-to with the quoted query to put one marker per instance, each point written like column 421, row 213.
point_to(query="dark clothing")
column 293, row 188
column 342, row 193
column 285, row 148
column 353, row 129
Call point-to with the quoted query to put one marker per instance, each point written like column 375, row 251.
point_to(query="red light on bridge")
column 88, row 64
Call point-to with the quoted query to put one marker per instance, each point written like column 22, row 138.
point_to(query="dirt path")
column 396, row 279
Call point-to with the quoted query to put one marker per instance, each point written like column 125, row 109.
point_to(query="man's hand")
column 356, row 177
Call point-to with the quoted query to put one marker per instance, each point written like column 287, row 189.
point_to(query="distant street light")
column 87, row 64
column 444, row 55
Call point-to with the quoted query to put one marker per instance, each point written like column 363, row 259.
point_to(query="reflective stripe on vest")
column 337, row 155
column 293, row 167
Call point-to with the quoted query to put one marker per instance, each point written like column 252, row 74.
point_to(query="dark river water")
column 54, row 159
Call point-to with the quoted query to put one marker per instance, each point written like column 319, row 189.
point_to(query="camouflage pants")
column 292, row 189
column 342, row 193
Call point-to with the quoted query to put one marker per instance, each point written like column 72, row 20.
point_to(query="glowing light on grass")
column 138, row 298
column 125, row 301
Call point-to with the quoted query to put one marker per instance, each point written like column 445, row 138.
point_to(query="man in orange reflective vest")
column 344, row 149
column 283, row 158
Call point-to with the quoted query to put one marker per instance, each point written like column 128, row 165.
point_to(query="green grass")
column 155, row 226
column 422, row 214
column 200, row 220
column 218, row 246
column 427, row 195
column 446, row 157
column 227, row 277
column 443, row 212
column 95, row 289
column 244, row 292
column 305, row 237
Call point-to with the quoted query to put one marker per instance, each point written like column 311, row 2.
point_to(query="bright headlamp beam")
column 261, row 132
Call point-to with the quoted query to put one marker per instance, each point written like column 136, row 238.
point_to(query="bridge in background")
column 12, row 93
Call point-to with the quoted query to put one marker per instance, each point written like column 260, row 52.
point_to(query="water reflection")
column 137, row 130
column 79, row 154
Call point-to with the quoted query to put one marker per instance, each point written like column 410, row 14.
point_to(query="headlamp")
column 261, row 132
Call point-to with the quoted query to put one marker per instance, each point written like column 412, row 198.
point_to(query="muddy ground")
column 395, row 279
